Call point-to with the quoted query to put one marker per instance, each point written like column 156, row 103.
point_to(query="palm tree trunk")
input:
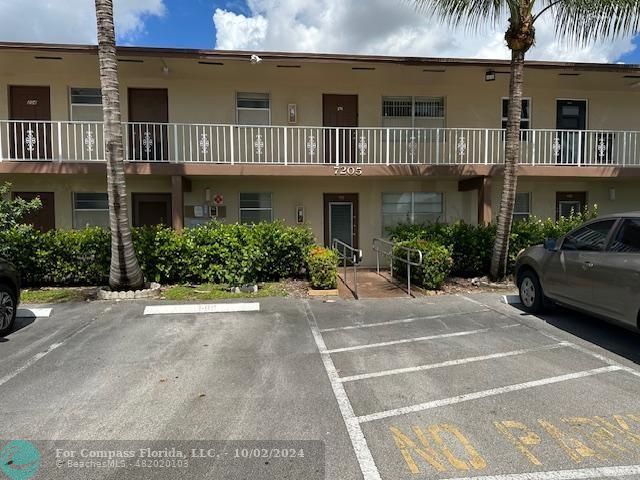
column 500, row 255
column 125, row 272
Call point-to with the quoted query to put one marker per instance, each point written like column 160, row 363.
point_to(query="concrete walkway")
column 371, row 285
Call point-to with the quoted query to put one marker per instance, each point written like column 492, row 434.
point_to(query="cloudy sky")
column 346, row 26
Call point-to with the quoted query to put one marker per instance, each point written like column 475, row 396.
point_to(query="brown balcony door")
column 340, row 111
column 150, row 209
column 148, row 107
column 43, row 219
column 30, row 134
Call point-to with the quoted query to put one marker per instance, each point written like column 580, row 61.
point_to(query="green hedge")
column 322, row 265
column 214, row 253
column 436, row 263
column 471, row 245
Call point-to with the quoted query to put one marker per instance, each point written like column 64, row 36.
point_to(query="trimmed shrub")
column 322, row 265
column 436, row 263
column 213, row 253
column 471, row 246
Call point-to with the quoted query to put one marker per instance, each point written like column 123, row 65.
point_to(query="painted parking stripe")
column 452, row 363
column 585, row 473
column 363, row 454
column 34, row 312
column 201, row 308
column 417, row 339
column 404, row 320
column 486, row 393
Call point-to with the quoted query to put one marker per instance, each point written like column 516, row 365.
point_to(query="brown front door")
column 148, row 110
column 151, row 209
column 341, row 218
column 340, row 111
column 568, row 202
column 30, row 134
column 43, row 219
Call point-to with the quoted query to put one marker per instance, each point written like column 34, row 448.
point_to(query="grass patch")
column 52, row 295
column 217, row 292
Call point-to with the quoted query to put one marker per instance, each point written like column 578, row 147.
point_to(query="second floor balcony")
column 29, row 141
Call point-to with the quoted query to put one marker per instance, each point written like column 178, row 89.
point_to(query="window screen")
column 86, row 105
column 253, row 109
column 255, row 207
column 522, row 208
column 410, row 207
column 90, row 210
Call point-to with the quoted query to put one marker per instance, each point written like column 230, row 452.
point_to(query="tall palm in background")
column 576, row 21
column 125, row 272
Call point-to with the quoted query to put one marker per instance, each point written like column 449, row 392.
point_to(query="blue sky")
column 189, row 24
column 383, row 27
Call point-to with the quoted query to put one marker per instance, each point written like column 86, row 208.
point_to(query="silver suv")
column 594, row 268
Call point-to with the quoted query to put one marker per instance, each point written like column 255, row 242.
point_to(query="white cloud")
column 390, row 27
column 70, row 21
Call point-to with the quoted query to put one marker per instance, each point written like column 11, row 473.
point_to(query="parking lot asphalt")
column 439, row 387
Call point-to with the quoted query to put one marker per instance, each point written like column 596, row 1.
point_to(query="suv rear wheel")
column 531, row 294
column 8, row 308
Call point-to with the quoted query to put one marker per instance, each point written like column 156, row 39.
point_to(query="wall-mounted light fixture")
column 207, row 194
column 490, row 76
column 612, row 194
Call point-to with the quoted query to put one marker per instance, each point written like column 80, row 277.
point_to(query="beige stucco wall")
column 206, row 93
column 63, row 186
column 543, row 194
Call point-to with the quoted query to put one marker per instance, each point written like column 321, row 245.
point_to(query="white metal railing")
column 348, row 254
column 388, row 249
column 230, row 144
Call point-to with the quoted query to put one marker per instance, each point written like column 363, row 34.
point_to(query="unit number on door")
column 342, row 171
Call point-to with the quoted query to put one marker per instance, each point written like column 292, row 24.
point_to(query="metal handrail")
column 354, row 256
column 378, row 242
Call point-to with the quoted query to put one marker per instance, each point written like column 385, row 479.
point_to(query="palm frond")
column 472, row 14
column 586, row 21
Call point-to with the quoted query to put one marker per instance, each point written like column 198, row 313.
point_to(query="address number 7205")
column 343, row 171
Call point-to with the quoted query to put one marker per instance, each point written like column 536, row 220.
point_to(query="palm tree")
column 125, row 272
column 578, row 21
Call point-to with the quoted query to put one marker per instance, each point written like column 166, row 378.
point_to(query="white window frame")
column 262, row 209
column 412, row 213
column 238, row 109
column 83, row 105
column 74, row 209
column 529, row 203
column 413, row 108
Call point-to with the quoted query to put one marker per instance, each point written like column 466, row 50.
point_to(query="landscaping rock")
column 152, row 291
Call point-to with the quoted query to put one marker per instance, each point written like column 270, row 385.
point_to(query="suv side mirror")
column 551, row 244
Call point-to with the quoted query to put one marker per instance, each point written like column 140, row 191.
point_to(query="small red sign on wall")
column 218, row 199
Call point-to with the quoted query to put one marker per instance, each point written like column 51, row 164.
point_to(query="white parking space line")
column 34, row 312
column 486, row 393
column 201, row 308
column 417, row 339
column 585, row 473
column 602, row 358
column 363, row 454
column 404, row 320
column 451, row 363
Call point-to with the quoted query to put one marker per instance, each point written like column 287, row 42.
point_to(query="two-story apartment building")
column 347, row 144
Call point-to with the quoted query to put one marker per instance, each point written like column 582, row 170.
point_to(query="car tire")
column 8, row 308
column 531, row 294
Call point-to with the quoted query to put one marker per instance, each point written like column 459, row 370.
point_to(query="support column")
column 179, row 185
column 485, row 211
